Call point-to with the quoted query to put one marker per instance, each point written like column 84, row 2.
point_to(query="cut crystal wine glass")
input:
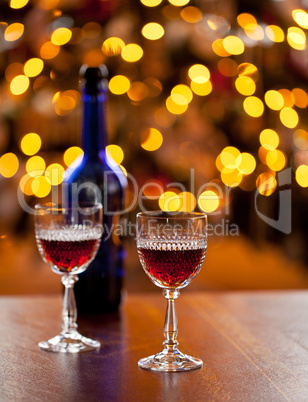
column 171, row 248
column 68, row 239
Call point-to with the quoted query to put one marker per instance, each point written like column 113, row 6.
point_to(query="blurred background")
column 207, row 104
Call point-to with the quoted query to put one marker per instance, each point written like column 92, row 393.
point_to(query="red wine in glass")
column 173, row 268
column 69, row 251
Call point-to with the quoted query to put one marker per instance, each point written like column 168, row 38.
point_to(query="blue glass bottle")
column 99, row 288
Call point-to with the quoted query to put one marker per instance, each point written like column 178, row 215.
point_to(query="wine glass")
column 171, row 248
column 68, row 239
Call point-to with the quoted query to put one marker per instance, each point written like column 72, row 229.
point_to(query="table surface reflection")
column 254, row 346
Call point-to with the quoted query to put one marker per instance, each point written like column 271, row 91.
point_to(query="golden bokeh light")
column 30, row 143
column 227, row 67
column 113, row 46
column 18, row 3
column 288, row 99
column 49, row 50
column 114, row 154
column 54, row 174
column 233, row 45
column 71, row 154
column 266, row 184
column 175, row 108
column 269, row 139
column 296, row 38
column 208, row 201
column 33, row 67
column 253, row 106
column 289, row 117
column 219, row 49
column 14, row 31
column 300, row 97
column 181, row 91
column 201, row 89
column 199, row 73
column 169, row 201
column 245, row 19
column 9, row 165
column 35, row 166
column 219, row 164
column 179, row 3
column 132, row 52
column 191, row 14
column 152, row 139
column 13, row 70
column 188, row 201
column 254, row 32
column 274, row 100
column 64, row 102
column 229, row 156
column 137, row 91
column 40, row 186
column 275, row 160
column 231, row 177
column 245, row 163
column 153, row 31
column 119, row 84
column 25, row 184
column 262, row 152
column 19, row 84
column 248, row 70
column 245, row 85
column 151, row 3
column 274, row 33
column 301, row 175
column 61, row 36
column 300, row 138
column 300, row 17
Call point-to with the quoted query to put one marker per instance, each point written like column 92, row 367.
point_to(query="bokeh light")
column 275, row 160
column 266, row 184
column 61, row 36
column 245, row 163
column 301, row 175
column 14, row 31
column 269, row 139
column 54, row 174
column 248, row 70
column 113, row 46
column 181, row 94
column 25, row 184
column 296, row 38
column 153, row 139
column 33, row 67
column 231, row 177
column 119, row 84
column 274, row 100
column 191, row 14
column 169, row 201
column 289, row 117
column 30, row 143
column 18, row 3
column 49, row 50
column 151, row 3
column 300, row 97
column 229, row 156
column 9, row 165
column 300, row 138
column 132, row 52
column 253, row 106
column 201, row 89
column 153, row 31
column 35, row 166
column 19, row 84
column 179, row 3
column 208, row 201
column 199, row 73
column 233, row 45
column 274, row 33
column 71, row 154
column 114, row 154
column 188, row 201
column 174, row 107
column 40, row 186
column 300, row 17
column 245, row 85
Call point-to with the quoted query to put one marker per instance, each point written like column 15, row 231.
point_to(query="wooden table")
column 254, row 346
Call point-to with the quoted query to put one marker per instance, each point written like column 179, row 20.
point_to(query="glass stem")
column 69, row 310
column 171, row 321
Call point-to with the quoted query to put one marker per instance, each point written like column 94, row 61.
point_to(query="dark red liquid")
column 171, row 268
column 67, row 255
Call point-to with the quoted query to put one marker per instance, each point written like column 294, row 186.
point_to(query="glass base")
column 170, row 362
column 69, row 343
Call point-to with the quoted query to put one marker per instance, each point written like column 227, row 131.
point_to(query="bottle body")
column 99, row 288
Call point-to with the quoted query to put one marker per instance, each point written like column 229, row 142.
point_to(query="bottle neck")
column 94, row 125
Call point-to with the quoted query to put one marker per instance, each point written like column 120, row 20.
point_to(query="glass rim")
column 172, row 215
column 52, row 206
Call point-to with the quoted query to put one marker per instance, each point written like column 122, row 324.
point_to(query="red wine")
column 68, row 251
column 171, row 268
